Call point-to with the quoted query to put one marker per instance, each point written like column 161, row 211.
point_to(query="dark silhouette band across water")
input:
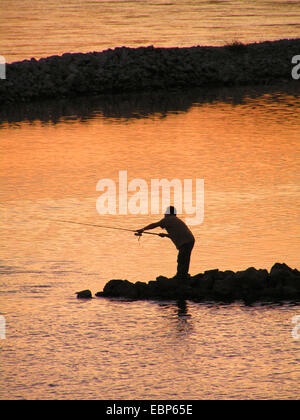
column 281, row 283
column 145, row 69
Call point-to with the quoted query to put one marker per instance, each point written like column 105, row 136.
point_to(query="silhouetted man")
column 180, row 235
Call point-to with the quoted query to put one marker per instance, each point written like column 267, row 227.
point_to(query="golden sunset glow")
column 96, row 25
column 77, row 320
column 251, row 200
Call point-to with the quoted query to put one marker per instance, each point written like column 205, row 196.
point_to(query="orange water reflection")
column 57, row 27
column 248, row 155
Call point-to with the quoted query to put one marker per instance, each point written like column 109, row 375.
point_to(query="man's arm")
column 164, row 235
column 153, row 226
column 148, row 227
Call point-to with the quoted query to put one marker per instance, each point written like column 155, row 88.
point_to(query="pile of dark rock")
column 125, row 69
column 282, row 283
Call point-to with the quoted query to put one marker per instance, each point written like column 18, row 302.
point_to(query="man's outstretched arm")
column 149, row 227
column 153, row 226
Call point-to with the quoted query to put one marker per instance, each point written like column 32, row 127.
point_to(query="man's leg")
column 183, row 260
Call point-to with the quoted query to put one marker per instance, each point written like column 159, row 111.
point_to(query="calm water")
column 38, row 28
column 247, row 150
column 243, row 143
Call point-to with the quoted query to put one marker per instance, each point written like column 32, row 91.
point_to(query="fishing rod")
column 104, row 227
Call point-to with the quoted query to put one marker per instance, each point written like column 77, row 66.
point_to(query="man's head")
column 170, row 211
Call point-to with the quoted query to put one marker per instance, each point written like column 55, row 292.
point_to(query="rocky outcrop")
column 280, row 284
column 84, row 294
column 146, row 69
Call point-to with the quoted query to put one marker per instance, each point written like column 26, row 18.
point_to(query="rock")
column 140, row 289
column 251, row 279
column 84, row 294
column 208, row 279
column 250, row 285
column 165, row 283
column 281, row 268
column 195, row 281
column 285, row 278
column 120, row 288
column 225, row 286
column 148, row 68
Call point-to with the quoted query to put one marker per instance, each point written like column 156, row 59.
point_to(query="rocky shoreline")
column 282, row 283
column 143, row 69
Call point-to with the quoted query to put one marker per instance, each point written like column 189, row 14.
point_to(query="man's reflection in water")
column 179, row 322
column 182, row 308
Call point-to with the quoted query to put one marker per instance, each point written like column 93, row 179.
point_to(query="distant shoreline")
column 127, row 70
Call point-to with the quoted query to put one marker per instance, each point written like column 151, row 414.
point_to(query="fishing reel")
column 138, row 234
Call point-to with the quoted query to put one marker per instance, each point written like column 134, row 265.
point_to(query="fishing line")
column 104, row 227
